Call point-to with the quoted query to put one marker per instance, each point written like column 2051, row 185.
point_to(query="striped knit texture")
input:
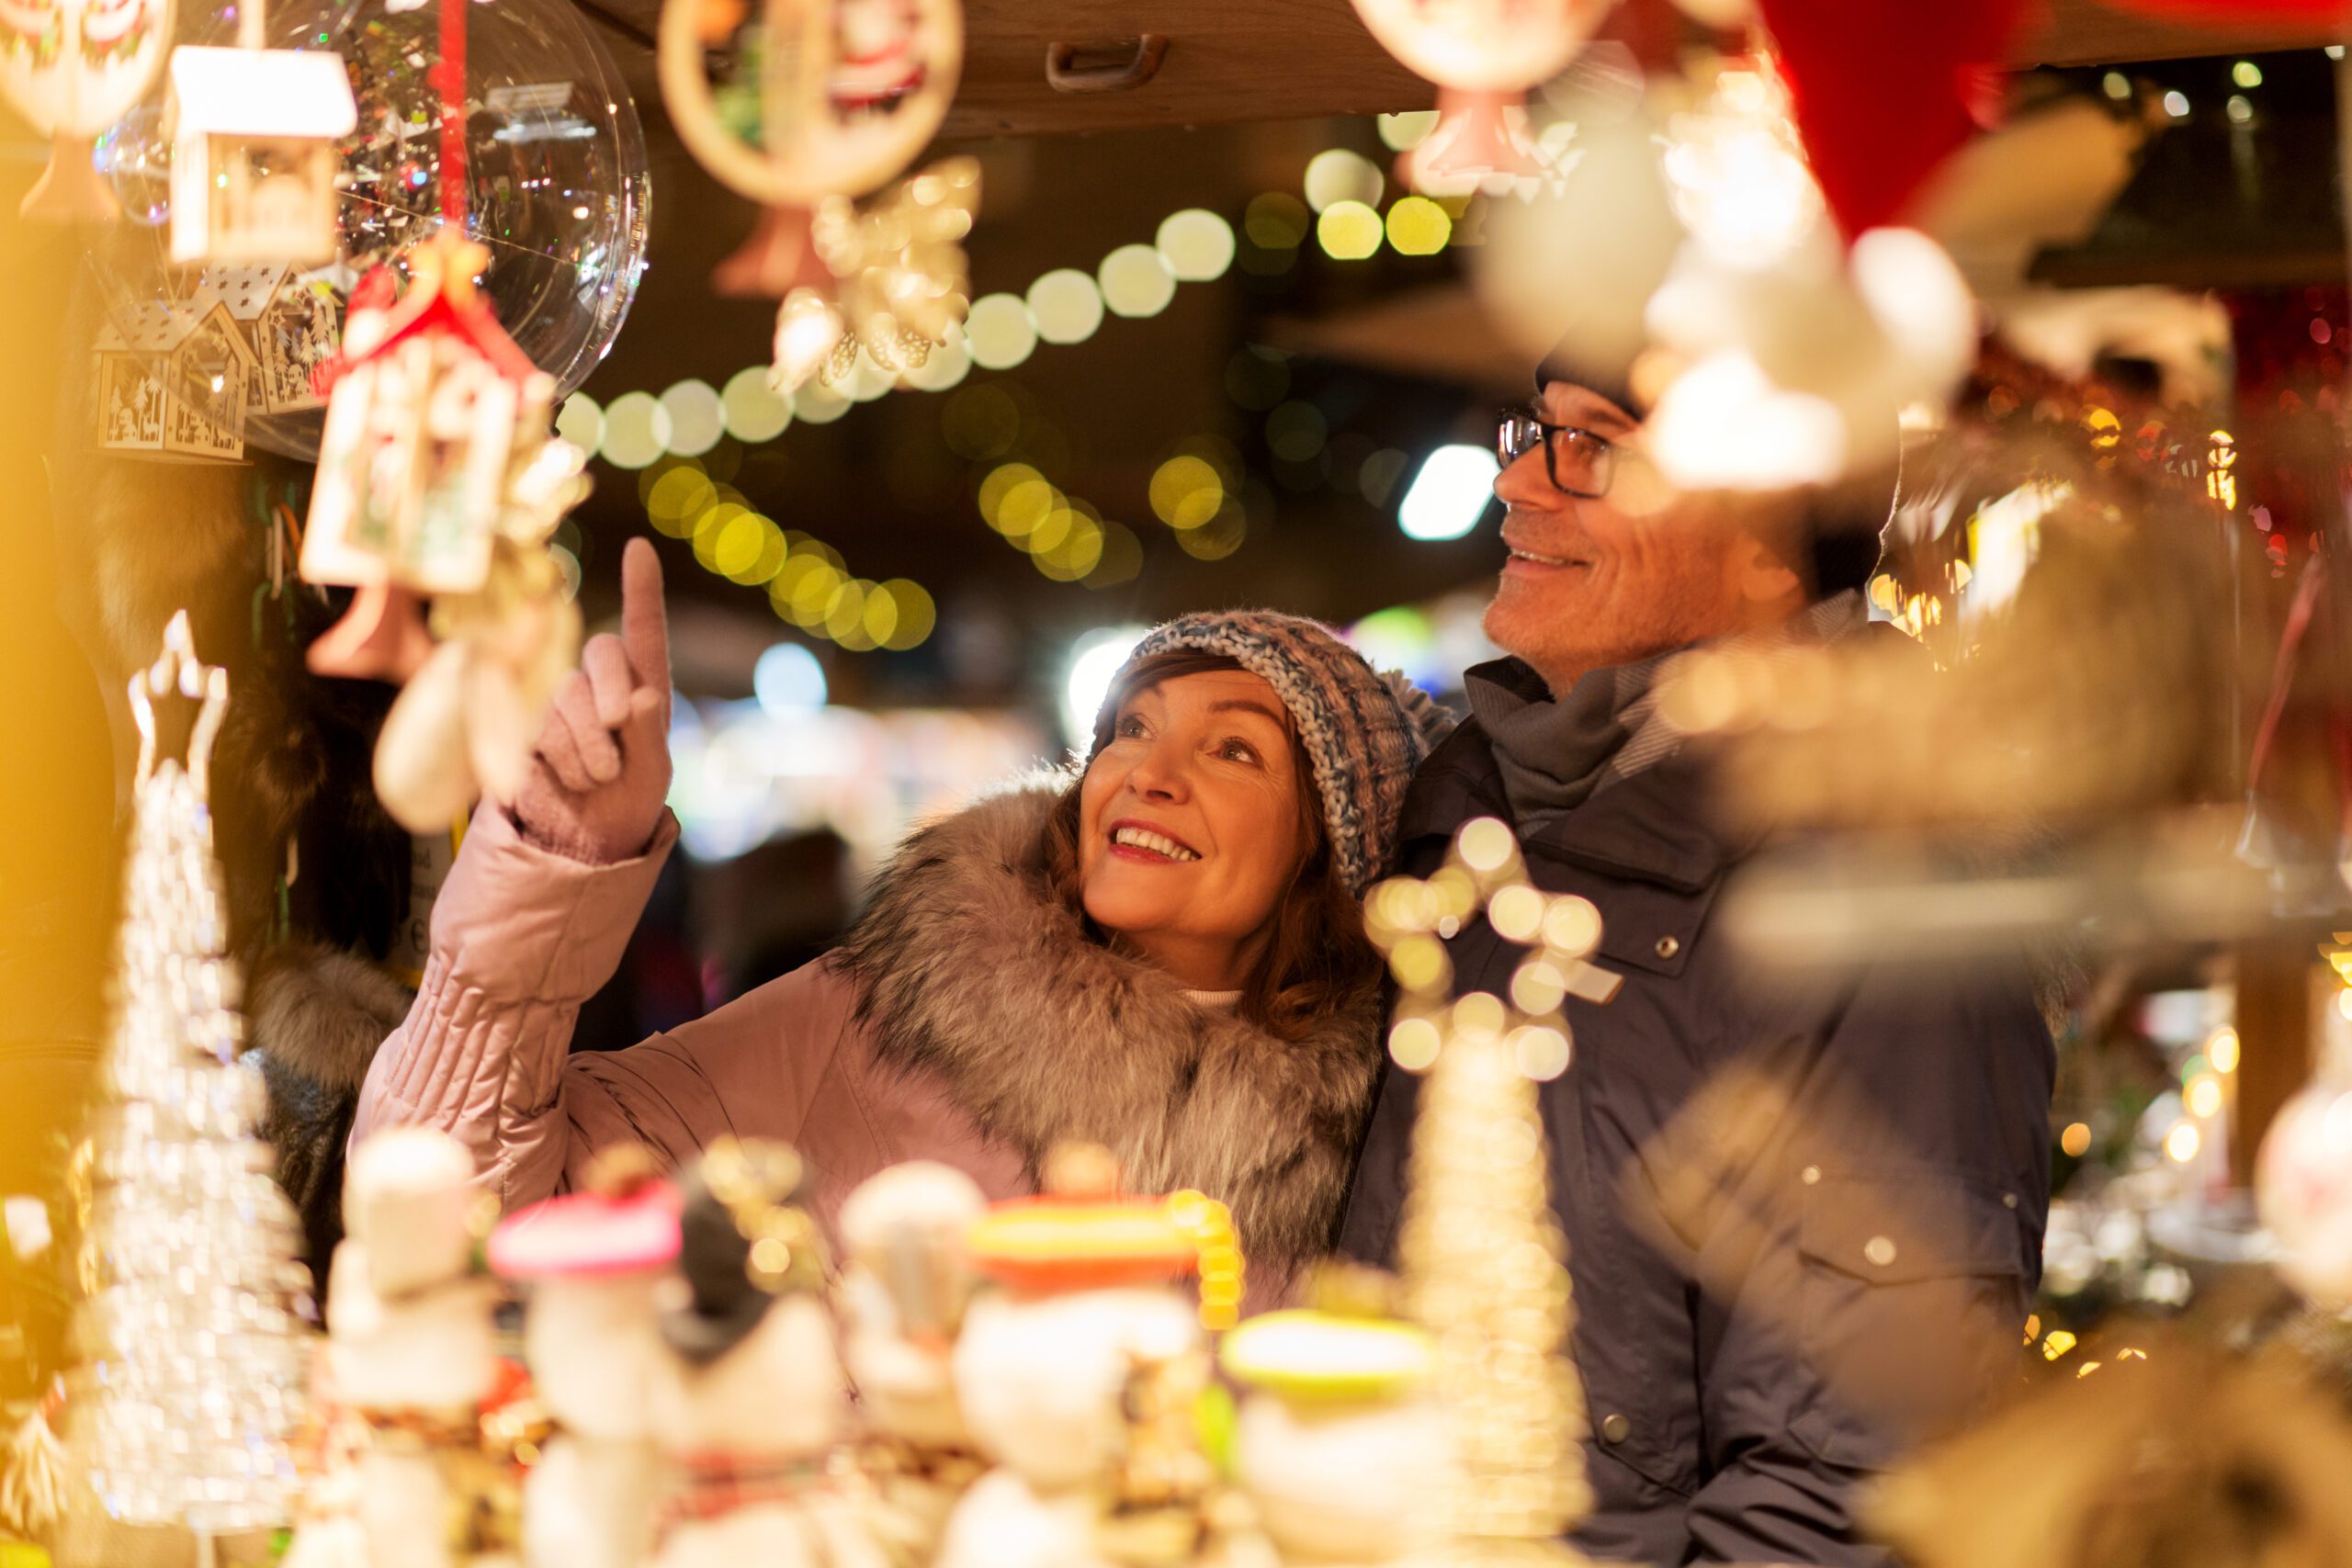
column 1365, row 732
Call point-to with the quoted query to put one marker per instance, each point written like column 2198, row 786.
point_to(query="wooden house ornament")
column 430, row 402
column 288, row 321
column 254, row 134
column 175, row 380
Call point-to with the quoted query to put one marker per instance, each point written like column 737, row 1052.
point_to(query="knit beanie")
column 1364, row 731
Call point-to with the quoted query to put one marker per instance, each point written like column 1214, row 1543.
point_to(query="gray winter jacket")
column 1805, row 1224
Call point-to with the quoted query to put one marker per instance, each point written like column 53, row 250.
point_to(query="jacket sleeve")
column 521, row 938
column 1865, row 1278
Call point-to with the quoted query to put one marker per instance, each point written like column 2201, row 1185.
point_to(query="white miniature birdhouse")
column 288, row 319
column 175, row 380
column 254, row 134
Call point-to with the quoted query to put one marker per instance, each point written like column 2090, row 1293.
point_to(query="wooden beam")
column 2087, row 33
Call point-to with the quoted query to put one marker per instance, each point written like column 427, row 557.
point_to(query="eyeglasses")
column 1577, row 461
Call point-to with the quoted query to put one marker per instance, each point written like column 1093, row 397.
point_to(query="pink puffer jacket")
column 970, row 1019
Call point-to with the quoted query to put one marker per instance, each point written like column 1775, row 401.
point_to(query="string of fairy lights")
column 1199, row 493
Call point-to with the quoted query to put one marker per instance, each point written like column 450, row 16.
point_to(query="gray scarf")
column 1555, row 754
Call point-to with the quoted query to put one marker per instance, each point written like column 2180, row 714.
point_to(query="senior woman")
column 1164, row 954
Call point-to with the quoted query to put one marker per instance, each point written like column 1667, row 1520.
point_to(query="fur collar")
column 973, row 973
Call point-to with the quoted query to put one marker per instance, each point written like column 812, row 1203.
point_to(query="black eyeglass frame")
column 1510, row 422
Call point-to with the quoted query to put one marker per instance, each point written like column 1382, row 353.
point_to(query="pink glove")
column 602, row 768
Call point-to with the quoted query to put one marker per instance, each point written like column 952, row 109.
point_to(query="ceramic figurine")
column 593, row 1261
column 1081, row 1376
column 412, row 1346
column 753, row 1400
column 903, row 1290
column 1339, row 1442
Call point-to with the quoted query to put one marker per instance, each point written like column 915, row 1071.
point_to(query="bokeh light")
column 789, row 680
column 678, row 498
column 944, row 367
column 753, row 411
column 580, row 422
column 1093, row 663
column 1349, row 230
column 1275, row 221
column 1186, row 491
column 1219, row 537
column 1418, row 227
column 1067, row 306
column 999, row 331
column 1403, row 132
column 980, row 423
column 1340, row 174
column 914, row 615
column 637, row 431
column 816, row 404
column 1136, row 282
column 1197, row 245
column 1450, row 494
column 1295, row 431
column 1122, row 560
column 696, row 420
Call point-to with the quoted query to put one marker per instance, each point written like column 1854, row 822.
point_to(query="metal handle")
column 1140, row 64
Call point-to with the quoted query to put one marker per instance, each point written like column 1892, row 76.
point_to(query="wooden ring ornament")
column 813, row 152
column 1064, row 75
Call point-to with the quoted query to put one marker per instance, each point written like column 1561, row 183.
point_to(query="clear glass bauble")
column 556, row 186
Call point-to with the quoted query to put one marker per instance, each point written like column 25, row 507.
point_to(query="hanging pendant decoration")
column 254, row 134
column 439, row 479
column 72, row 68
column 816, row 103
column 901, row 283
column 1484, row 55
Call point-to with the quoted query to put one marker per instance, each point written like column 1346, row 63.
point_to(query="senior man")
column 1805, row 1223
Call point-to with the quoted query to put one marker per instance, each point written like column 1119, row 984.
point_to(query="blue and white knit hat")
column 1365, row 732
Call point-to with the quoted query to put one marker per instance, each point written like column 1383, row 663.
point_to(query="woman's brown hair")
column 1317, row 959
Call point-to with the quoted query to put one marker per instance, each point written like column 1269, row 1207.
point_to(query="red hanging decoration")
column 449, row 78
column 1885, row 93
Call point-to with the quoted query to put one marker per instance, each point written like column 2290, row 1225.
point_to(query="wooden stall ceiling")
column 1261, row 60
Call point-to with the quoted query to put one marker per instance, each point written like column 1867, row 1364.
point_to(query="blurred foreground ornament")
column 175, row 382
column 1484, row 55
column 438, row 479
column 1338, row 1441
column 814, row 98
column 72, row 68
column 1884, row 96
column 195, row 1359
column 1484, row 1262
column 903, row 283
column 2171, row 1454
column 552, row 176
column 254, row 134
column 2303, row 1179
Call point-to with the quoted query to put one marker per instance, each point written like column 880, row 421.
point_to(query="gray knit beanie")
column 1365, row 732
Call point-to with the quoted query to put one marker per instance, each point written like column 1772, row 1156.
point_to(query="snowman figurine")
column 1339, row 1445
column 593, row 1260
column 411, row 1343
column 1081, row 1376
column 752, row 1401
column 905, row 1280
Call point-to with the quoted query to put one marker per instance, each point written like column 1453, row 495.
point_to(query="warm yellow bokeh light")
column 1027, row 514
column 1413, row 1044
column 1216, row 539
column 1275, row 221
column 753, row 411
column 678, row 499
column 2076, row 1139
column 1349, row 230
column 2204, row 1096
column 1001, row 482
column 1121, row 559
column 817, row 403
column 580, row 422
column 1338, row 175
column 914, row 614
column 1418, row 227
column 769, row 561
column 1136, row 282
column 2183, row 1142
column 1197, row 245
column 998, row 333
column 637, row 431
column 1067, row 305
column 2223, row 1049
column 736, row 545
column 1186, row 491
column 696, row 420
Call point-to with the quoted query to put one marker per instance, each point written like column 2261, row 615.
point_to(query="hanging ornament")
column 73, row 67
column 174, row 382
column 1484, row 55
column 902, row 282
column 1884, row 94
column 824, row 101
column 438, row 479
column 254, row 133
column 194, row 1378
